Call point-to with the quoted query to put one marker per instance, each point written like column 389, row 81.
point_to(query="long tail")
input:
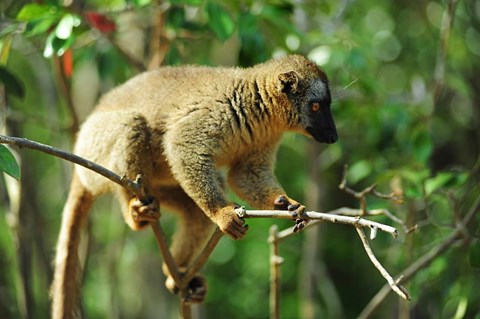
column 65, row 290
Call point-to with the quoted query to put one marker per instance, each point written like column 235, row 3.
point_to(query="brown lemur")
column 177, row 126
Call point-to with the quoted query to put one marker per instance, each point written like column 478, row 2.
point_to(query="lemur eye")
column 315, row 106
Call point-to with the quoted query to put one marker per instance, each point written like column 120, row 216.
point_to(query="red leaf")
column 100, row 22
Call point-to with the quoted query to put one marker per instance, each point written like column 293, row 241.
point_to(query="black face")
column 316, row 117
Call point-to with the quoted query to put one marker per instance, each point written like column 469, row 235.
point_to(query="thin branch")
column 133, row 61
column 275, row 261
column 355, row 221
column 65, row 89
column 201, row 259
column 159, row 41
column 439, row 74
column 361, row 195
column 422, row 262
column 130, row 185
column 165, row 251
column 398, row 289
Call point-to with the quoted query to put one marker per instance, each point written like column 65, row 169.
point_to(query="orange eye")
column 315, row 106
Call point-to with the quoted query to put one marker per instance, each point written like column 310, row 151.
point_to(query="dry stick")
column 64, row 88
column 398, row 289
column 23, row 142
column 201, row 259
column 355, row 221
column 275, row 261
column 182, row 282
column 423, row 261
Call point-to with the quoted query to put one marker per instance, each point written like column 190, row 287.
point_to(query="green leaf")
column 359, row 171
column 220, row 21
column 12, row 84
column 474, row 254
column 444, row 179
column 438, row 181
column 188, row 2
column 34, row 11
column 422, row 146
column 5, row 45
column 40, row 26
column 8, row 164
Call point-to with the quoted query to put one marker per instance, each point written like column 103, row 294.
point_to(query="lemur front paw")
column 196, row 290
column 144, row 213
column 296, row 209
column 230, row 223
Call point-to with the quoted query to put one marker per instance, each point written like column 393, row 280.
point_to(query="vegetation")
column 406, row 102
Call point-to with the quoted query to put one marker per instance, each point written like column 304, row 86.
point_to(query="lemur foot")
column 144, row 213
column 296, row 209
column 195, row 292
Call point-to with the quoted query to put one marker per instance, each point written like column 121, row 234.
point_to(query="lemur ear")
column 288, row 82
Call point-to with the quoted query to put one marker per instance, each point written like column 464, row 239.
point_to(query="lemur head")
column 307, row 90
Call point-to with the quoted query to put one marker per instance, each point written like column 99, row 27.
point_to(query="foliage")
column 406, row 99
column 8, row 164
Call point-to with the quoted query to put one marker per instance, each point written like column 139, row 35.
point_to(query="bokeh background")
column 406, row 97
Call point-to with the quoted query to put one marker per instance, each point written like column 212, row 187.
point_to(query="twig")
column 398, row 289
column 165, row 251
column 132, row 186
column 275, row 261
column 439, row 74
column 159, row 41
column 355, row 221
column 422, row 262
column 65, row 89
column 201, row 259
column 361, row 195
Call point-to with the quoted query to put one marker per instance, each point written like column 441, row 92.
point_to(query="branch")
column 275, row 261
column 398, row 289
column 355, row 221
column 439, row 73
column 132, row 186
column 202, row 258
column 361, row 196
column 423, row 261
column 65, row 89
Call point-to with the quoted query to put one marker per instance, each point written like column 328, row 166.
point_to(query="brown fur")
column 176, row 126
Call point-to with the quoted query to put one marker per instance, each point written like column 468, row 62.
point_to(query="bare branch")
column 132, row 186
column 275, row 261
column 398, row 289
column 422, row 262
column 202, row 258
column 167, row 255
column 355, row 221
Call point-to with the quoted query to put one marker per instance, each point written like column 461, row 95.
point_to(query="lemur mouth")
column 323, row 136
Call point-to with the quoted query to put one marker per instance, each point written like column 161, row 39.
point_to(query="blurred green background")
column 406, row 96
